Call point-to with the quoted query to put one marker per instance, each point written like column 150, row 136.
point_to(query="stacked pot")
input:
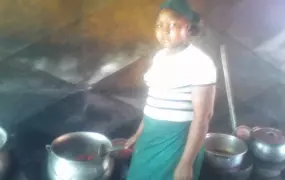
column 268, row 144
column 268, row 147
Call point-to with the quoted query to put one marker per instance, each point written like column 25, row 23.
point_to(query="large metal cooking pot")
column 66, row 151
column 268, row 144
column 224, row 151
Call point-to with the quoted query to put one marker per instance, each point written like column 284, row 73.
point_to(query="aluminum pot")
column 268, row 144
column 224, row 151
column 106, row 176
column 65, row 151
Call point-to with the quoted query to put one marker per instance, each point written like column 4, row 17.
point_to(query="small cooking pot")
column 224, row 151
column 268, row 144
column 75, row 156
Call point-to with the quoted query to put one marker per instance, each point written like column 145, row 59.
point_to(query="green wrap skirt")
column 158, row 151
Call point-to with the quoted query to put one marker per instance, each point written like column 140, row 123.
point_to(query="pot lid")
column 269, row 136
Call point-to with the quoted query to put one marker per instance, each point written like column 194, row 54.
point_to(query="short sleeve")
column 149, row 75
column 204, row 71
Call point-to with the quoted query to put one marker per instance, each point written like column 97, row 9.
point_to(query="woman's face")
column 171, row 29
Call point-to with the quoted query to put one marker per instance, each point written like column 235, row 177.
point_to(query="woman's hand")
column 183, row 172
column 131, row 141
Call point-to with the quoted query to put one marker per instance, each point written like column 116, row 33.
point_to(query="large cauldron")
column 76, row 156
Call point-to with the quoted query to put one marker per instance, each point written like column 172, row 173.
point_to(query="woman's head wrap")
column 183, row 8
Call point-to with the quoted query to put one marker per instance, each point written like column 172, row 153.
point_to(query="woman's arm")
column 203, row 103
column 132, row 140
column 140, row 128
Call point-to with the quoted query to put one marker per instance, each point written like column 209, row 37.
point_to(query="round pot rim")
column 50, row 148
column 227, row 135
column 226, row 156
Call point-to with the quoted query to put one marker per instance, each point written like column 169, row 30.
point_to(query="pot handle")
column 101, row 151
column 48, row 148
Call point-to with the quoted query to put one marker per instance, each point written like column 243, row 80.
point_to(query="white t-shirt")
column 170, row 80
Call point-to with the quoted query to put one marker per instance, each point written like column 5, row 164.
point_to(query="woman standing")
column 181, row 81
